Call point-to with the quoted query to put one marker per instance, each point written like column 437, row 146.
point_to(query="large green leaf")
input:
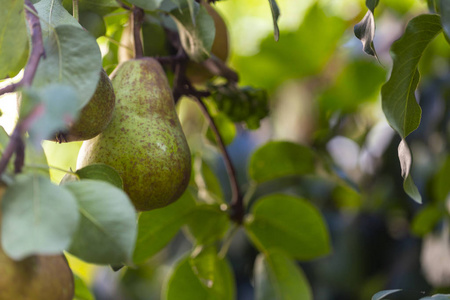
column 196, row 34
column 204, row 277
column 445, row 17
column 107, row 230
column 279, row 277
column 279, row 159
column 73, row 58
column 38, row 217
column 207, row 224
column 157, row 227
column 398, row 99
column 13, row 38
column 101, row 172
column 52, row 14
column 290, row 224
column 101, row 7
column 426, row 219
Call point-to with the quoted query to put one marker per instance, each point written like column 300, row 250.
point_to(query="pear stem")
column 138, row 19
column 237, row 204
column 16, row 144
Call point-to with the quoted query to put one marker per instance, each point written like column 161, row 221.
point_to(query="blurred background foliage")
column 324, row 93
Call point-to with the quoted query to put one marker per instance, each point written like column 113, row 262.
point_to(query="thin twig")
column 16, row 144
column 237, row 204
column 75, row 10
column 138, row 19
column 36, row 53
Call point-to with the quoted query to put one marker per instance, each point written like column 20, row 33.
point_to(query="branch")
column 123, row 5
column 138, row 19
column 16, row 144
column 237, row 204
column 36, row 53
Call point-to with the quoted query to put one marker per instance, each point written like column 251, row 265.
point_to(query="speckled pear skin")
column 95, row 115
column 144, row 141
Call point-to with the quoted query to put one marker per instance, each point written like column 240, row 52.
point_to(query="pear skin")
column 144, row 141
column 95, row 115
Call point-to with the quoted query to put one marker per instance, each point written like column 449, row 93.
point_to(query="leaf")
column 365, row 31
column 183, row 283
column 55, row 105
column 203, row 262
column 38, row 217
column 13, row 38
column 279, row 159
column 212, row 183
column 157, row 227
column 196, row 37
column 73, row 58
column 290, row 224
column 53, row 14
column 146, row 4
column 398, row 99
column 101, row 172
column 445, row 17
column 107, row 230
column 437, row 297
column 440, row 186
column 82, row 292
column 101, row 7
column 371, row 4
column 279, row 277
column 207, row 224
column 275, row 15
column 405, row 157
column 382, row 294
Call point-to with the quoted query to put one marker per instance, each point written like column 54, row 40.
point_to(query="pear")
column 144, row 141
column 95, row 115
column 36, row 277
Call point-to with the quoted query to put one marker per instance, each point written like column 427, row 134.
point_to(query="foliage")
column 284, row 220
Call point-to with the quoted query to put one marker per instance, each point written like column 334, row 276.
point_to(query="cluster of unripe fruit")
column 131, row 124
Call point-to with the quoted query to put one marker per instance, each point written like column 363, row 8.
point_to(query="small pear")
column 95, row 115
column 144, row 141
column 36, row 277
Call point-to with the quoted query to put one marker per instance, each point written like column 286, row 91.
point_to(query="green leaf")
column 184, row 283
column 52, row 14
column 212, row 183
column 101, row 172
column 275, row 15
column 101, row 7
column 426, row 220
column 157, row 227
column 382, row 294
column 196, row 37
column 398, row 99
column 279, row 159
column 38, row 217
column 405, row 157
column 107, row 230
column 365, row 31
column 279, row 277
column 371, row 4
column 57, row 106
column 207, row 224
column 445, row 17
column 82, row 292
column 73, row 58
column 146, row 4
column 290, row 224
column 13, row 38
column 437, row 297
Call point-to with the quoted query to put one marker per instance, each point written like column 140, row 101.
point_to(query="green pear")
column 144, row 141
column 95, row 115
column 36, row 277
